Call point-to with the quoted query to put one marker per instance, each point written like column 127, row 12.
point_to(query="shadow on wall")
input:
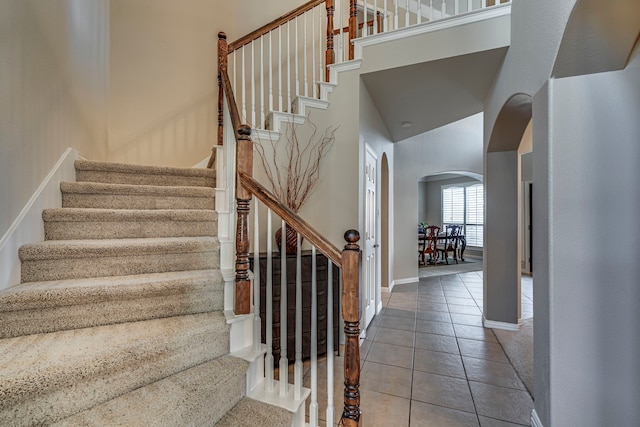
column 181, row 139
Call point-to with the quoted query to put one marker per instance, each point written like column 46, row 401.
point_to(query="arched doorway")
column 503, row 235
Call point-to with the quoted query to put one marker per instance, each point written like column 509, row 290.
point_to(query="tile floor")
column 427, row 361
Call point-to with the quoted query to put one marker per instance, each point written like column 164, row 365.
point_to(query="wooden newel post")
column 353, row 26
column 329, row 52
column 351, row 316
column 244, row 162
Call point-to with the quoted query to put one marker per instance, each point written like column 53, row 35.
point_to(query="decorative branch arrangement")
column 297, row 175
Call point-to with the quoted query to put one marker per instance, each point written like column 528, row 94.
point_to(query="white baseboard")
column 535, row 420
column 28, row 226
column 403, row 281
column 502, row 325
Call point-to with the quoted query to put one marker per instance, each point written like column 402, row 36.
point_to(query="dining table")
column 443, row 236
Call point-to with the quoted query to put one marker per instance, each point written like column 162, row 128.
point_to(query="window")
column 464, row 204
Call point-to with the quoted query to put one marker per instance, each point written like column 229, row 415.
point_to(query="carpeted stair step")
column 69, row 259
column 47, row 377
column 39, row 307
column 82, row 223
column 256, row 413
column 123, row 196
column 120, row 173
column 199, row 396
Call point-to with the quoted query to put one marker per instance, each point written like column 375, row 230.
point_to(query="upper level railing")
column 291, row 56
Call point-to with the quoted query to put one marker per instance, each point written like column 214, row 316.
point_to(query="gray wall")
column 591, row 189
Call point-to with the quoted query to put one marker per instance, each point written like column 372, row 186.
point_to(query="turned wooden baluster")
column 351, row 316
column 353, row 26
column 329, row 52
column 244, row 162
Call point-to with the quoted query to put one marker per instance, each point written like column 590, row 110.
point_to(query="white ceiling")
column 433, row 94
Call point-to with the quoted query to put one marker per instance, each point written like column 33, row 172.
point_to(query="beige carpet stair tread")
column 195, row 397
column 99, row 215
column 69, row 259
column 46, row 377
column 66, row 249
column 106, row 188
column 123, row 196
column 97, row 289
column 40, row 307
column 142, row 174
column 86, row 223
column 255, row 413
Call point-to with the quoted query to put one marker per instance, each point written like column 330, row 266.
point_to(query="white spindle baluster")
column 297, row 369
column 270, row 71
column 385, row 18
column 329, row 342
column 406, row 15
column 456, row 7
column 313, row 406
column 313, row 53
column 269, row 308
column 257, row 327
column 253, row 85
column 284, row 362
column 340, row 56
column 469, row 5
column 280, row 68
column 365, row 27
column 304, row 56
column 430, row 10
column 262, row 88
column 243, row 95
column 297, row 62
column 289, row 66
column 320, row 50
column 444, row 9
column 235, row 87
column 419, row 12
column 483, row 3
column 375, row 17
column 395, row 15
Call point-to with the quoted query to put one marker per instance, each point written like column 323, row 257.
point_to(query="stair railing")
column 248, row 297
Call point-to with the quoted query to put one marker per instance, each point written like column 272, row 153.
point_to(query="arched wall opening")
column 503, row 215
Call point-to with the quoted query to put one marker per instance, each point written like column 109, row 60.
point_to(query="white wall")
column 53, row 95
column 456, row 147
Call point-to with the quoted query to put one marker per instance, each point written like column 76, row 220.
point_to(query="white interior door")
column 370, row 267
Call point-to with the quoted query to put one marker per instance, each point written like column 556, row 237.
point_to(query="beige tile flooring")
column 426, row 360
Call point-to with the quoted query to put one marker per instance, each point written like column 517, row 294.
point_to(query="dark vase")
column 291, row 242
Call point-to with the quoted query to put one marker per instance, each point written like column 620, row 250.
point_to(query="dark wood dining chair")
column 429, row 244
column 450, row 242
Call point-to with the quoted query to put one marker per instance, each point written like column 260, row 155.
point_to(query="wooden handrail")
column 265, row 29
column 231, row 100
column 291, row 218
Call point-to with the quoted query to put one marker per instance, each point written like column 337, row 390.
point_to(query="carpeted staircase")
column 119, row 317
